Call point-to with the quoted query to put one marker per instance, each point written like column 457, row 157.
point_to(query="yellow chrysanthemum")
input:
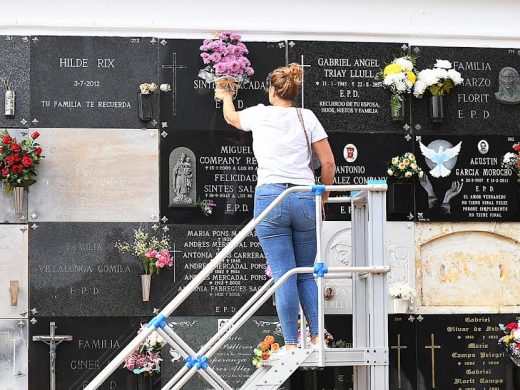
column 411, row 76
column 395, row 160
column 392, row 69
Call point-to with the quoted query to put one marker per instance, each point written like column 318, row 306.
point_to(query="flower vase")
column 400, row 197
column 146, row 282
column 400, row 306
column 144, row 382
column 145, row 107
column 18, row 199
column 436, row 109
column 397, row 108
column 9, row 103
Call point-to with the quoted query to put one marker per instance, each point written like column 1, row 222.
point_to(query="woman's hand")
column 222, row 94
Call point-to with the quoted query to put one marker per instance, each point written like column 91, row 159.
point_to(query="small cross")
column 398, row 347
column 52, row 341
column 302, row 64
column 173, row 252
column 174, row 68
column 433, row 347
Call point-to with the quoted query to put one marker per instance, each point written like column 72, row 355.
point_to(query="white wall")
column 441, row 22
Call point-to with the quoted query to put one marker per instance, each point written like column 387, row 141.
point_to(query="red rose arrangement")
column 511, row 160
column 18, row 160
column 511, row 341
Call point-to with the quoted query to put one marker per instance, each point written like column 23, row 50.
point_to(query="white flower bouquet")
column 439, row 81
column 402, row 291
column 399, row 77
column 511, row 160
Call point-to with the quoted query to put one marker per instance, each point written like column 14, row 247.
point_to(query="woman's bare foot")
column 315, row 340
column 289, row 347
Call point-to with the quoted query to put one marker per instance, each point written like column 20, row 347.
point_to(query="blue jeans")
column 288, row 237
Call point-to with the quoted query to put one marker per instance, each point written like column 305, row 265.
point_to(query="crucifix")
column 398, row 347
column 174, row 68
column 302, row 65
column 174, row 252
column 433, row 347
column 52, row 341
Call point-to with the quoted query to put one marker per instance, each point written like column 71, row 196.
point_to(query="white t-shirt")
column 279, row 143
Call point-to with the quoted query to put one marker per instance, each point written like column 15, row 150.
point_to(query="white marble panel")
column 92, row 175
column 13, row 354
column 337, row 241
column 13, row 266
column 7, row 212
column 468, row 266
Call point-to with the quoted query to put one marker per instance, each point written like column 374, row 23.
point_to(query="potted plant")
column 439, row 80
column 18, row 161
column 399, row 77
column 145, row 361
column 225, row 62
column 402, row 295
column 153, row 252
column 401, row 171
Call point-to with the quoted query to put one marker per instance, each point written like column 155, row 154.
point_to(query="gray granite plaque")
column 13, row 354
column 95, row 342
column 14, row 70
column 487, row 100
column 91, row 81
column 231, row 284
column 89, row 175
column 75, row 270
column 182, row 178
column 339, row 84
column 233, row 361
column 13, row 271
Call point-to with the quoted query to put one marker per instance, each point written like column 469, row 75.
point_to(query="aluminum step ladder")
column 369, row 354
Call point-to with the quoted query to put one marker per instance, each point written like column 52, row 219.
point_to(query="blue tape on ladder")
column 376, row 182
column 200, row 362
column 190, row 362
column 159, row 322
column 318, row 189
column 320, row 269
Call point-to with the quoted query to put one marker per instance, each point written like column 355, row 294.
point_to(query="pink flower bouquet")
column 225, row 61
column 152, row 251
column 145, row 360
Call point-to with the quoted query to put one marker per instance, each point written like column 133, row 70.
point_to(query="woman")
column 288, row 234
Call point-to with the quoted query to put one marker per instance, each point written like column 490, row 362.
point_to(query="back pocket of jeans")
column 262, row 202
column 308, row 205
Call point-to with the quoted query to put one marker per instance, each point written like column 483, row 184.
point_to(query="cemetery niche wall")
column 115, row 160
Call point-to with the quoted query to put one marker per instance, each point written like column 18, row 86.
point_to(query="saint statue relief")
column 508, row 86
column 182, row 175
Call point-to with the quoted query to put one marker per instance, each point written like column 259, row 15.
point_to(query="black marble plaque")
column 191, row 106
column 75, row 270
column 461, row 352
column 329, row 378
column 402, row 347
column 340, row 86
column 91, row 81
column 231, row 285
column 471, row 185
column 224, row 172
column 96, row 341
column 473, row 107
column 361, row 157
column 14, row 68
column 233, row 361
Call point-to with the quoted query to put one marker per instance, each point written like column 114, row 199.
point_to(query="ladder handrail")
column 358, row 192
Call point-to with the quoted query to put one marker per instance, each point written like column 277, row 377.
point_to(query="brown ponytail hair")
column 286, row 81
